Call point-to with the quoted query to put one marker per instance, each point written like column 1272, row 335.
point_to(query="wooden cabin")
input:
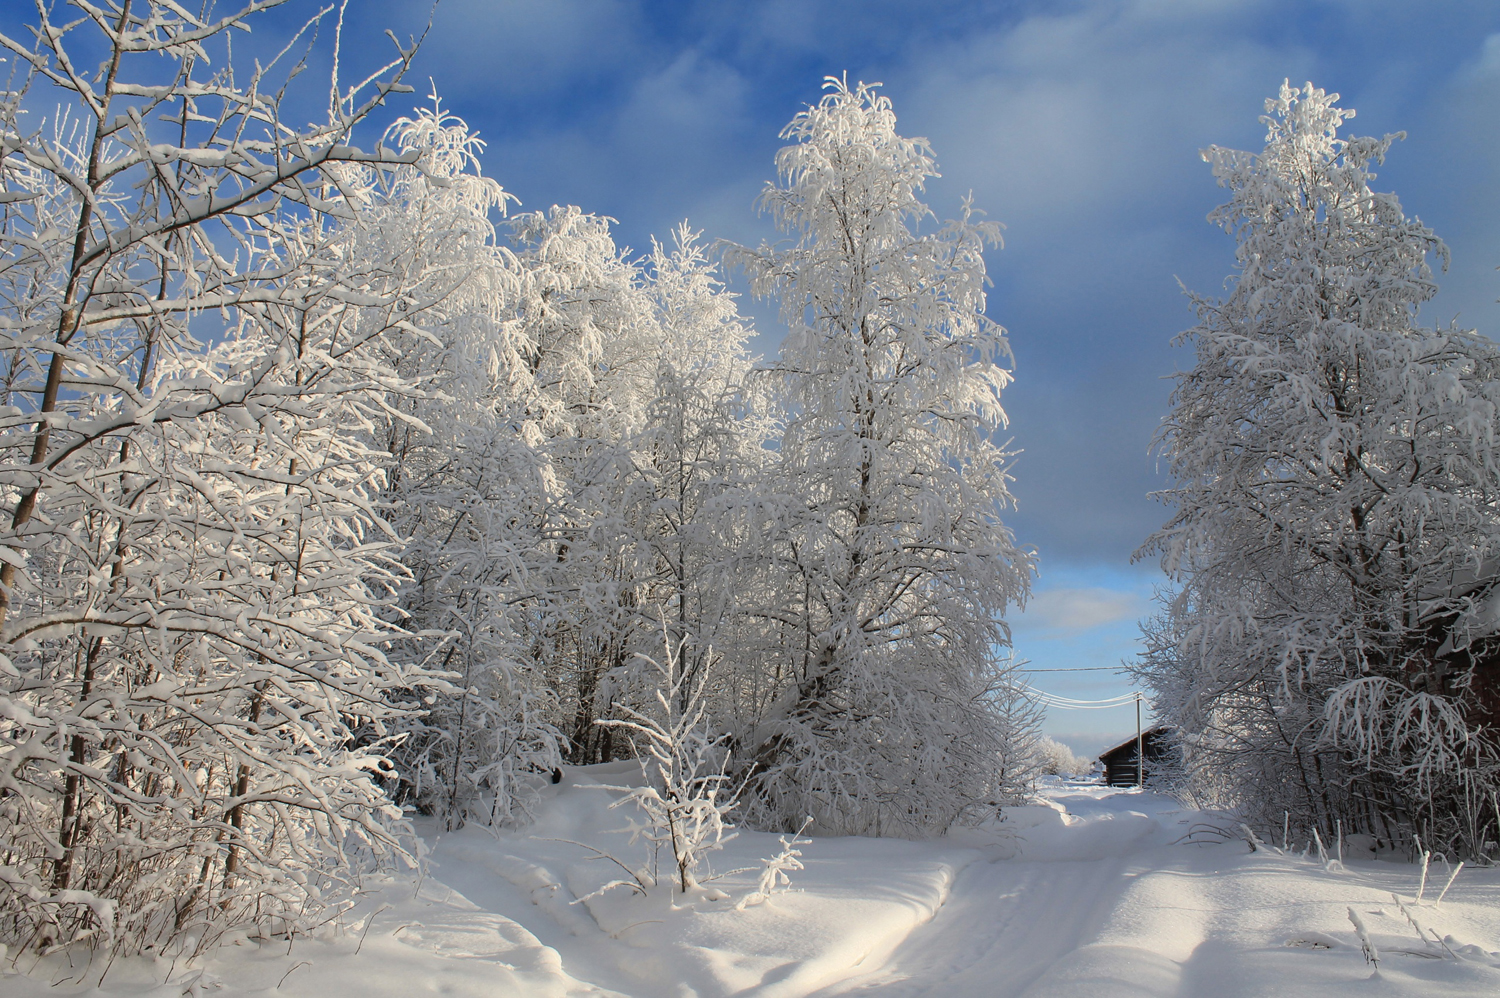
column 1119, row 762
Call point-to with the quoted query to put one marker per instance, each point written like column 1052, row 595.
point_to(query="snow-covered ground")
column 1091, row 893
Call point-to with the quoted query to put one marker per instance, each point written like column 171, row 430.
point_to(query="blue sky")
column 1076, row 124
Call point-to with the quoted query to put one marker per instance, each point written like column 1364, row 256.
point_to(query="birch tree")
column 891, row 719
column 588, row 335
column 1329, row 653
column 194, row 563
column 698, row 454
column 466, row 485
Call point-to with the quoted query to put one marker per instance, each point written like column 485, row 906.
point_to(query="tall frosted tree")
column 194, row 560
column 896, row 712
column 466, row 487
column 587, row 331
column 634, row 392
column 1330, row 651
column 699, row 449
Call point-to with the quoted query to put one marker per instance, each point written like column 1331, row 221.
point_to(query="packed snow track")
column 1089, row 893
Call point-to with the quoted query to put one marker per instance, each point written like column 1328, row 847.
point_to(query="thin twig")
column 368, row 922
column 299, row 963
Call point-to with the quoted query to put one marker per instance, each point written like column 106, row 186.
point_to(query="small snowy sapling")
column 684, row 801
column 774, row 874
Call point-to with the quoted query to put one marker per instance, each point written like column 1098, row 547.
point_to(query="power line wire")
column 1121, row 698
column 1071, row 703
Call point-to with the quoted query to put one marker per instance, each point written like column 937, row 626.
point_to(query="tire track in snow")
column 1005, row 923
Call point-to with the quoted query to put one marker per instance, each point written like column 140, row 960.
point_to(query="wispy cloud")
column 1488, row 64
column 530, row 50
column 1078, row 609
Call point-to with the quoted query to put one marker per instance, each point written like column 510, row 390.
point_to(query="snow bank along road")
column 1091, row 893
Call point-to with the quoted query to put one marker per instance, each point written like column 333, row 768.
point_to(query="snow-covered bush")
column 1329, row 651
column 776, row 870
column 1056, row 759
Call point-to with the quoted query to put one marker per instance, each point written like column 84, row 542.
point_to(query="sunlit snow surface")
column 1091, row 893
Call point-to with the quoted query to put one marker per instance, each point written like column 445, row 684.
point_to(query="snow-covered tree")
column 588, row 335
column 632, row 393
column 699, row 451
column 194, row 564
column 466, row 485
column 1329, row 651
column 890, row 716
column 561, row 477
column 1057, row 759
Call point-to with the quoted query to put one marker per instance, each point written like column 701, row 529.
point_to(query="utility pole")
column 1140, row 754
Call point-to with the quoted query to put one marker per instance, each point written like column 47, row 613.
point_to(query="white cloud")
column 520, row 48
column 1065, row 117
column 1078, row 609
column 672, row 141
column 1489, row 58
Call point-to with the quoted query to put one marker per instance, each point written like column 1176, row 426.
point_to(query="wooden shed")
column 1120, row 764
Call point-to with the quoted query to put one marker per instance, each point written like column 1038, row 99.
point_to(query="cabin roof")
column 1152, row 732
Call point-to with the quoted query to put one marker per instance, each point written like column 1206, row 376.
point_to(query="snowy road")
column 1002, row 927
column 1087, row 894
column 1009, row 920
column 1090, row 893
column 1107, row 900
